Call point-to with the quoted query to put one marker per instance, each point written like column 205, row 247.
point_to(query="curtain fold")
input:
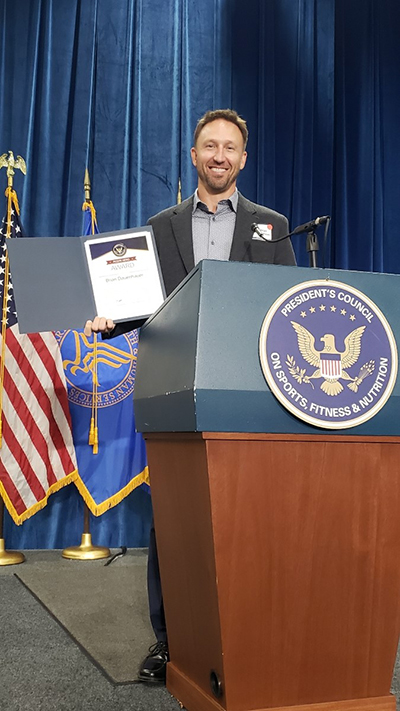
column 367, row 140
column 284, row 84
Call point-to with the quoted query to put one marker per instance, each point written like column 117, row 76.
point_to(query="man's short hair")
column 227, row 115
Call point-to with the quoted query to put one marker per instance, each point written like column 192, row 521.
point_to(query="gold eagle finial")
column 8, row 161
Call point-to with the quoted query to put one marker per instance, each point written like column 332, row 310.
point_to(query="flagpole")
column 86, row 550
column 8, row 557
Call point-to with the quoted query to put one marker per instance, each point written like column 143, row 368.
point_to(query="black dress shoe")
column 153, row 668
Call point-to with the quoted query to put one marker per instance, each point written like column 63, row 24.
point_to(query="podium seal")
column 328, row 354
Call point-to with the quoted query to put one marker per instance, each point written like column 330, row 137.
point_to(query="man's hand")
column 99, row 325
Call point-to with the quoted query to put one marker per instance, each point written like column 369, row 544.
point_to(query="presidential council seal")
column 328, row 354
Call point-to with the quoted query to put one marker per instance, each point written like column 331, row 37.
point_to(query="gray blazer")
column 173, row 235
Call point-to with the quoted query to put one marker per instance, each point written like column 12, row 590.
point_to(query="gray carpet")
column 104, row 608
column 42, row 669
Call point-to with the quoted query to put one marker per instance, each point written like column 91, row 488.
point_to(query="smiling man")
column 214, row 223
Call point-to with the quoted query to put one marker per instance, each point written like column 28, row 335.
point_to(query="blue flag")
column 100, row 379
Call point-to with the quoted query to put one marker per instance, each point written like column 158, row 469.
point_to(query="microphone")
column 309, row 226
column 256, row 228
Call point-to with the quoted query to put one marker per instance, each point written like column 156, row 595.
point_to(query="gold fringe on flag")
column 39, row 505
column 99, row 509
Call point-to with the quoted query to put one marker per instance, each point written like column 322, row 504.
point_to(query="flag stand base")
column 9, row 557
column 86, row 551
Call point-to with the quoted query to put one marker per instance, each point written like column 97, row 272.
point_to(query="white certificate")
column 125, row 274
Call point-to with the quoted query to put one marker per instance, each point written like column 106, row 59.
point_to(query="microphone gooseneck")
column 307, row 227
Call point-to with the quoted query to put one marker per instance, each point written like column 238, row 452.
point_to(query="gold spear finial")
column 87, row 186
column 11, row 164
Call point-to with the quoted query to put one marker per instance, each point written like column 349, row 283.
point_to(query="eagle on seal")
column 331, row 364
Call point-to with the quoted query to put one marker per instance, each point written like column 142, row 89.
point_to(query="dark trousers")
column 156, row 605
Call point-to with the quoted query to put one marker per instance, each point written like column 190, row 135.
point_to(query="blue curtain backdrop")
column 116, row 85
column 119, row 86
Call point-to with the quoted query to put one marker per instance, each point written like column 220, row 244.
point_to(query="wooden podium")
column 279, row 542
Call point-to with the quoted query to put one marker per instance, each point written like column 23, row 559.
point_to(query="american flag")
column 37, row 455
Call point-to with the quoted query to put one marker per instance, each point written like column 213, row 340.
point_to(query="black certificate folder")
column 59, row 283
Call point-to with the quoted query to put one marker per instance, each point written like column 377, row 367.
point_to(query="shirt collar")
column 232, row 200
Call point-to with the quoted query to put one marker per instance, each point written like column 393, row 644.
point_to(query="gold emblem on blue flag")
column 115, row 372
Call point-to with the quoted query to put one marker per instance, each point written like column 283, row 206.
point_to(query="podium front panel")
column 210, row 328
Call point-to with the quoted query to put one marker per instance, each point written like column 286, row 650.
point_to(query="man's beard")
column 216, row 184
